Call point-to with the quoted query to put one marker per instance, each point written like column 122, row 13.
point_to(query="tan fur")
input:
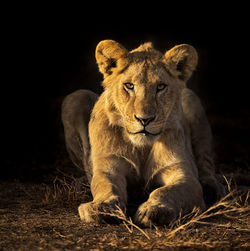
column 166, row 155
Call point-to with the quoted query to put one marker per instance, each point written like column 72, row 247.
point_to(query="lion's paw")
column 100, row 211
column 149, row 214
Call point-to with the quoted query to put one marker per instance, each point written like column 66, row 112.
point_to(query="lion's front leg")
column 108, row 187
column 178, row 192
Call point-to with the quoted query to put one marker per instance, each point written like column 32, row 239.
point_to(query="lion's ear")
column 110, row 55
column 183, row 59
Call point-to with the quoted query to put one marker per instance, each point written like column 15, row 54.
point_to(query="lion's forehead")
column 145, row 73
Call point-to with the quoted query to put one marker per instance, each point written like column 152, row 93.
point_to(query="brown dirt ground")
column 41, row 213
column 36, row 216
column 32, row 219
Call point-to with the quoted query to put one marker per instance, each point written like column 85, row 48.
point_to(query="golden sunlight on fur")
column 147, row 129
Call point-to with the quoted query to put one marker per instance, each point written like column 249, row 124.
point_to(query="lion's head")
column 143, row 87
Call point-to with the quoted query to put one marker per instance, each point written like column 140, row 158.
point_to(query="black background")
column 49, row 52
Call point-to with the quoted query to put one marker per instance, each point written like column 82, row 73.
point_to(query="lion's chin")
column 142, row 139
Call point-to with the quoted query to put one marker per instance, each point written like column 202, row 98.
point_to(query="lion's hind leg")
column 76, row 111
column 201, row 139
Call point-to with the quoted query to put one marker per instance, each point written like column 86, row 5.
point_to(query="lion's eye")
column 161, row 87
column 129, row 86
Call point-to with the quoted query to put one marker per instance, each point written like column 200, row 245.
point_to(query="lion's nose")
column 145, row 121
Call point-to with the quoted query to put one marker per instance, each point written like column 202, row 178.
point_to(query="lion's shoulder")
column 191, row 104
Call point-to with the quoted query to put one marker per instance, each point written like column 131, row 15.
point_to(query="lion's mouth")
column 144, row 132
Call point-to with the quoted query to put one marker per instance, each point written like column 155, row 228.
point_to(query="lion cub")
column 145, row 128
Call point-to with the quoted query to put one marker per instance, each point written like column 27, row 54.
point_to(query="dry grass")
column 230, row 214
column 225, row 224
column 39, row 216
column 67, row 190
